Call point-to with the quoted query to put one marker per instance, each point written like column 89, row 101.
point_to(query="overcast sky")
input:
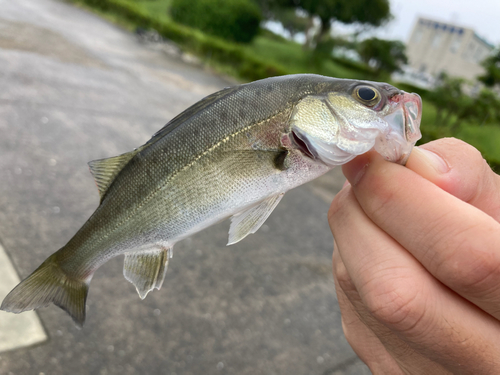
column 481, row 15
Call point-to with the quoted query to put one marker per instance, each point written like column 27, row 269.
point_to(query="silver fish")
column 233, row 154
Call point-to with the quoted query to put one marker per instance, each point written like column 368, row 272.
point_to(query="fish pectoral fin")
column 249, row 221
column 105, row 171
column 147, row 269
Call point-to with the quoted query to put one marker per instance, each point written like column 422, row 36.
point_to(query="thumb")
column 459, row 169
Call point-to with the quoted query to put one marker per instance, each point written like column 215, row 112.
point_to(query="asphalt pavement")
column 75, row 88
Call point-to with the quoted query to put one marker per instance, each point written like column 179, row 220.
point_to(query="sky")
column 483, row 16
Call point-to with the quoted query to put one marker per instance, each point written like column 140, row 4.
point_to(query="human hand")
column 417, row 261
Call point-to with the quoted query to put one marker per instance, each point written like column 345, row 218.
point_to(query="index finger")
column 455, row 241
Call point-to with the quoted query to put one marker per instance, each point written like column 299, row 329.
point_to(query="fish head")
column 354, row 117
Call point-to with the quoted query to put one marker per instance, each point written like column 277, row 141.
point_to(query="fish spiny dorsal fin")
column 105, row 171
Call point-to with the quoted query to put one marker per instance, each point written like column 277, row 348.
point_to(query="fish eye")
column 367, row 95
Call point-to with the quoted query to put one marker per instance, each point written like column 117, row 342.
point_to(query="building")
column 435, row 47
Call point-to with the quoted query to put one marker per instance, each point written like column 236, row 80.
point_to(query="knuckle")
column 342, row 276
column 470, row 269
column 465, row 160
column 396, row 303
column 455, row 148
column 458, row 146
column 350, row 338
column 356, row 340
column 345, row 281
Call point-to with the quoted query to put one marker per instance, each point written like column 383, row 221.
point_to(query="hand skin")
column 417, row 261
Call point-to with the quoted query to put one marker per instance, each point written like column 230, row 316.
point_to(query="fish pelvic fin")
column 147, row 269
column 49, row 283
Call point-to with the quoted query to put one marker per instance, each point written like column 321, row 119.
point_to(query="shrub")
column 235, row 20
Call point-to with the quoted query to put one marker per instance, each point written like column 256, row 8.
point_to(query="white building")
column 436, row 47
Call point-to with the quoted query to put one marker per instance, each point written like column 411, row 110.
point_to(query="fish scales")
column 235, row 153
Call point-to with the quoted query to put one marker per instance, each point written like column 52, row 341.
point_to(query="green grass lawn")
column 485, row 138
column 295, row 59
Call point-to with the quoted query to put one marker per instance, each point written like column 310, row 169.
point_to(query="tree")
column 492, row 67
column 383, row 55
column 455, row 106
column 291, row 21
column 488, row 107
column 448, row 97
column 371, row 12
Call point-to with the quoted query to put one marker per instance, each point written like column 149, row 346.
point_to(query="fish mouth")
column 404, row 127
column 409, row 107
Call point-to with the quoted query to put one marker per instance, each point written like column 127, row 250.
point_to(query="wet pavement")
column 75, row 88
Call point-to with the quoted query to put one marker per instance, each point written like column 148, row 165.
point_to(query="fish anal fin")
column 250, row 220
column 146, row 269
column 105, row 171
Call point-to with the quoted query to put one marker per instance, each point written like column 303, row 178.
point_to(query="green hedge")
column 247, row 66
column 235, row 20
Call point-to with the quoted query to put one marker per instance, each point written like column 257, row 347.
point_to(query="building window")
column 417, row 37
column 436, row 41
column 469, row 52
column 455, row 43
column 480, row 55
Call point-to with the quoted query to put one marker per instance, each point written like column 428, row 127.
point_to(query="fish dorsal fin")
column 105, row 171
column 147, row 269
column 250, row 220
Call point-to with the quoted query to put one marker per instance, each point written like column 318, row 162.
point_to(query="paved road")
column 75, row 88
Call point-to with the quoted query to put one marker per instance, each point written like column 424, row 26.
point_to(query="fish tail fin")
column 49, row 283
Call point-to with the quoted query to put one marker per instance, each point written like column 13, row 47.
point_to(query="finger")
column 382, row 350
column 459, row 169
column 400, row 294
column 362, row 339
column 455, row 241
column 375, row 344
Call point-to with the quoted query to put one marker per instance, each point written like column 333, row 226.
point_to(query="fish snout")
column 413, row 114
column 408, row 107
column 404, row 125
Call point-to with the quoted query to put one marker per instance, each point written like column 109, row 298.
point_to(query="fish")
column 233, row 154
